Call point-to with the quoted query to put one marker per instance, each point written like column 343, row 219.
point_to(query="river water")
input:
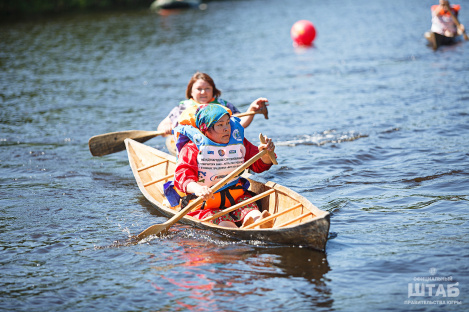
column 370, row 125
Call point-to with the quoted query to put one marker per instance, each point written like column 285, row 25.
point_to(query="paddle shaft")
column 113, row 142
column 158, row 228
column 456, row 21
column 260, row 111
column 108, row 143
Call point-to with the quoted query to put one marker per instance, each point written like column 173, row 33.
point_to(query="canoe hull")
column 174, row 4
column 310, row 234
column 436, row 40
column 298, row 222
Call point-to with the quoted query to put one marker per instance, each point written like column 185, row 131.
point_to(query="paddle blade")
column 265, row 112
column 271, row 154
column 108, row 143
column 155, row 229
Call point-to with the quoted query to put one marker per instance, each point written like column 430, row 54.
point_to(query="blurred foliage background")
column 21, row 8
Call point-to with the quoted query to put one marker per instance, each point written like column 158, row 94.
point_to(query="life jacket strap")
column 224, row 195
column 187, row 199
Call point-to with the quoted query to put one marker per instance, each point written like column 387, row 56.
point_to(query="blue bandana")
column 207, row 115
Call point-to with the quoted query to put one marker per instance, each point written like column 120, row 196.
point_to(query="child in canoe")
column 211, row 145
column 444, row 30
column 201, row 90
column 442, row 22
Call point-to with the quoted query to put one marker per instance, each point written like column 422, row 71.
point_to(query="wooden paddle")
column 113, row 142
column 159, row 228
column 259, row 111
column 456, row 21
column 271, row 154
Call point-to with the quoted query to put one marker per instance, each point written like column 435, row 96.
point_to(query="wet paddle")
column 113, row 142
column 159, row 228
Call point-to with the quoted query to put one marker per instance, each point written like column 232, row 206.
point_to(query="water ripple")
column 326, row 137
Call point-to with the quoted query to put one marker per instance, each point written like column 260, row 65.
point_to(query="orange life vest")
column 222, row 199
column 455, row 8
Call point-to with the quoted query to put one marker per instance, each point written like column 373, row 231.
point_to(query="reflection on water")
column 209, row 274
column 370, row 125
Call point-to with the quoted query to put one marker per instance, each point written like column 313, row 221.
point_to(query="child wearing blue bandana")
column 210, row 151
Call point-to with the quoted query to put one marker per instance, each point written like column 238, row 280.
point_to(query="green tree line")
column 31, row 7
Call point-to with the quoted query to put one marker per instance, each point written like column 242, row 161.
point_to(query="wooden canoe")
column 296, row 221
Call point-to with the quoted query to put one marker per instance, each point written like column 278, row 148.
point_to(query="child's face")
column 221, row 131
column 202, row 91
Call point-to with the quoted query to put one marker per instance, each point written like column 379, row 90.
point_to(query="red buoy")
column 303, row 33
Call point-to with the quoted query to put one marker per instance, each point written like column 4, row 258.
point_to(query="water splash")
column 326, row 137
